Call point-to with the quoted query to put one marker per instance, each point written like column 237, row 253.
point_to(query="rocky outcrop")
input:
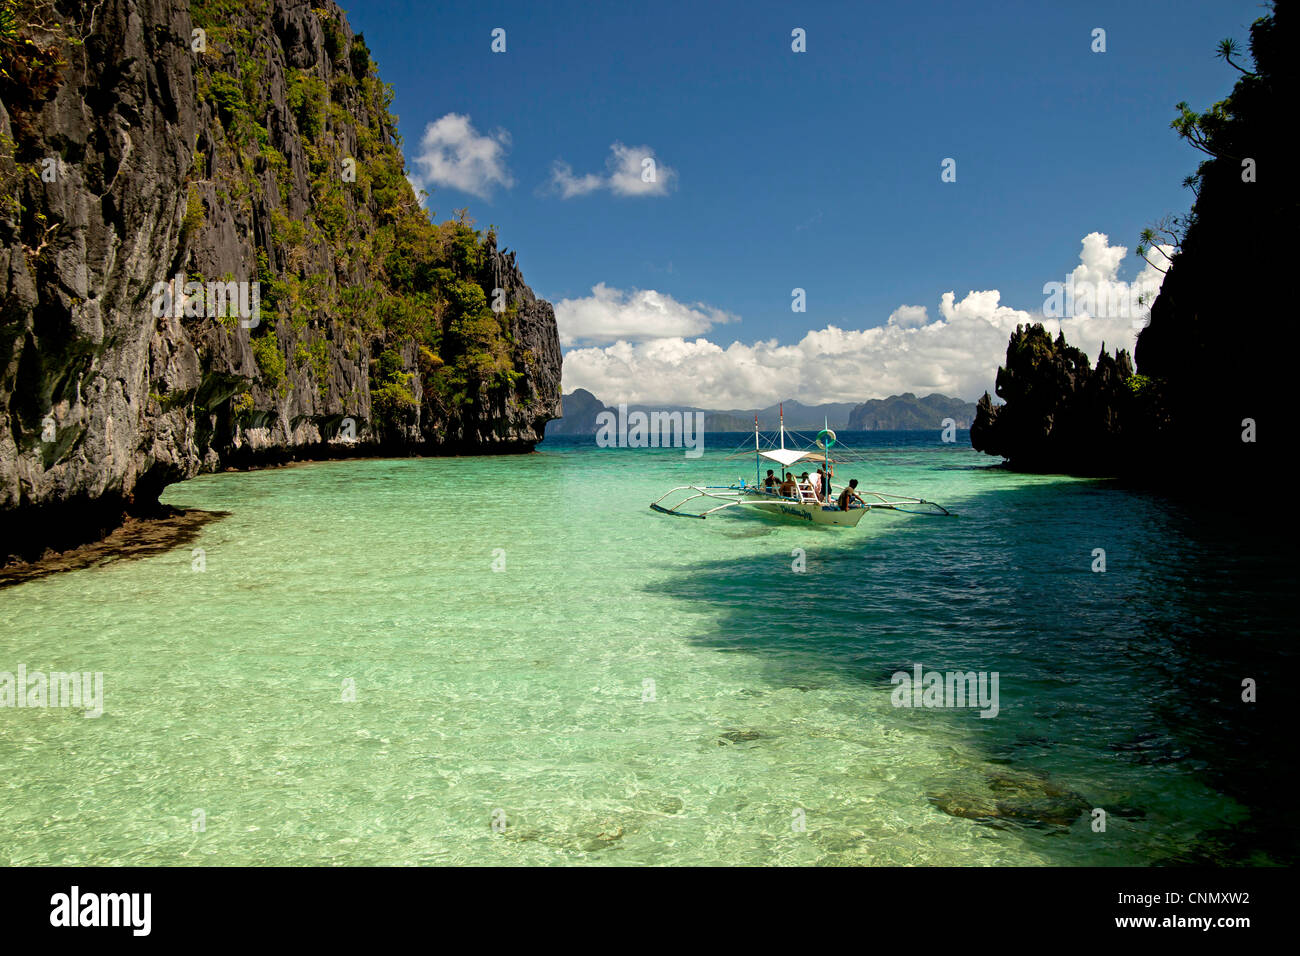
column 1210, row 403
column 145, row 140
column 1213, row 347
column 1059, row 413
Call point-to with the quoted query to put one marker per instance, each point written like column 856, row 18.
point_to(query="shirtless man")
column 788, row 488
column 850, row 495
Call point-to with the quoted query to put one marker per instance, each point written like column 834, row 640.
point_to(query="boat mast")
column 758, row 467
column 781, row 409
column 826, row 460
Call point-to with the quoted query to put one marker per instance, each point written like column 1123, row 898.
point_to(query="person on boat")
column 850, row 495
column 805, row 483
column 815, row 482
column 823, row 483
column 788, row 487
column 770, row 482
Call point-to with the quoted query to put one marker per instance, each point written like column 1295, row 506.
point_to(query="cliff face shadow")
column 1138, row 666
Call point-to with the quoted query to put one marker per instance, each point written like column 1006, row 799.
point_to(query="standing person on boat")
column 824, row 483
column 816, row 482
column 850, row 495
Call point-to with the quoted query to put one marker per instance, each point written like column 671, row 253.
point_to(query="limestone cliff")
column 1216, row 349
column 156, row 155
column 1211, row 403
column 1059, row 413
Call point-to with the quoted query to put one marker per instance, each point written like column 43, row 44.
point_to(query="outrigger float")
column 806, row 505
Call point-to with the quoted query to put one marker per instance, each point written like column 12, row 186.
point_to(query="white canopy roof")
column 788, row 456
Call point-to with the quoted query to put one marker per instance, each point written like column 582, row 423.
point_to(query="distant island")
column 906, row 412
column 896, row 413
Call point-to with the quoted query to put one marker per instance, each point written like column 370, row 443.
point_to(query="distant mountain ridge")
column 896, row 413
column 906, row 412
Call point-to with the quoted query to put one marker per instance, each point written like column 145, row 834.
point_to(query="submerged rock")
column 661, row 804
column 671, row 805
column 589, row 835
column 1007, row 795
column 739, row 736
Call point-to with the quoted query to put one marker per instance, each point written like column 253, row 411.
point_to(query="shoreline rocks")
column 134, row 537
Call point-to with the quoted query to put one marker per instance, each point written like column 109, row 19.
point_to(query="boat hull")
column 810, row 512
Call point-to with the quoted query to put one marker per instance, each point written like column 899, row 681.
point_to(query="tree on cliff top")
column 1214, row 376
column 1212, row 362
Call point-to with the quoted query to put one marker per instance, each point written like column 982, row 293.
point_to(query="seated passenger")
column 850, row 495
column 770, row 482
column 788, row 488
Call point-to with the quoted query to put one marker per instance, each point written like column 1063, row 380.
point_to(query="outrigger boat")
column 806, row 505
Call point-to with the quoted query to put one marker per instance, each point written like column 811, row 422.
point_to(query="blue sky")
column 818, row 170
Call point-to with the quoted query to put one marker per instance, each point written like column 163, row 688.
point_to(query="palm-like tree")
column 1168, row 232
column 1142, row 251
column 1227, row 50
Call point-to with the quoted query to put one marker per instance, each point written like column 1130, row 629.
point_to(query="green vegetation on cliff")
column 1218, row 374
column 1060, row 413
column 1213, row 372
column 394, row 280
column 245, row 150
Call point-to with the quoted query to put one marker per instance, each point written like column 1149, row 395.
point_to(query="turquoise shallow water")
column 521, row 695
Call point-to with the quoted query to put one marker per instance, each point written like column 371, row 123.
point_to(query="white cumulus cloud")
column 909, row 316
column 609, row 315
column 956, row 354
column 453, row 154
column 629, row 171
column 1101, row 302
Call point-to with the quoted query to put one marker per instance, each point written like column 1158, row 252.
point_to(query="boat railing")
column 759, row 489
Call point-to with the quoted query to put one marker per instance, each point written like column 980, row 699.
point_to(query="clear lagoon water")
column 629, row 688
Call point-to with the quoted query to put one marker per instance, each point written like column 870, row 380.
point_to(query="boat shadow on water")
column 1121, row 691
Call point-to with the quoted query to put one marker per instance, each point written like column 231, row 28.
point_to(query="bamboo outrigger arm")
column 730, row 500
